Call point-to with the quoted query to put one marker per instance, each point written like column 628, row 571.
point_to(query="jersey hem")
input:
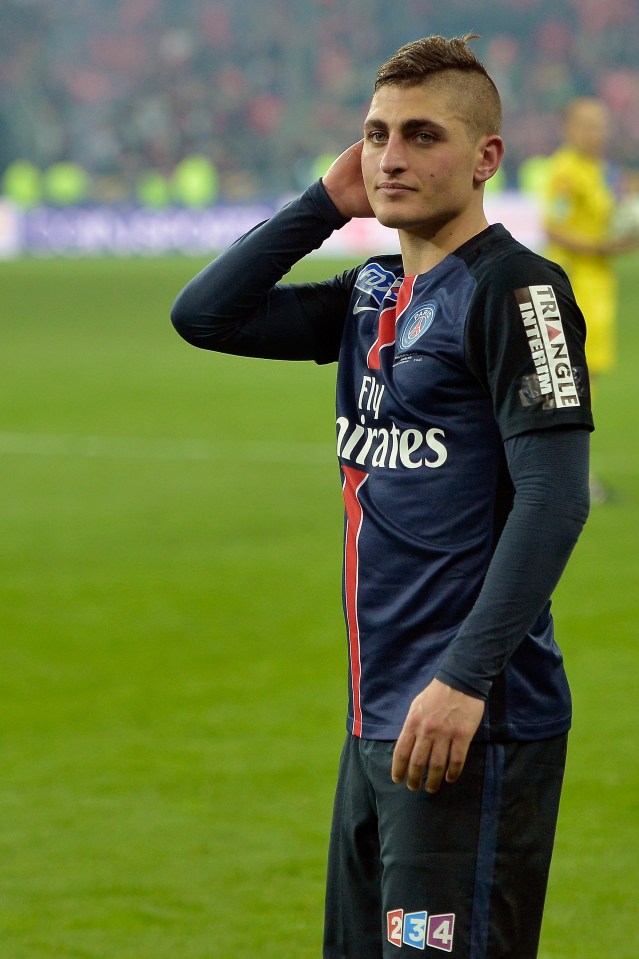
column 494, row 733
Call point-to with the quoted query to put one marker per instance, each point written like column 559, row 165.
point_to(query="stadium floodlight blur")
column 164, row 106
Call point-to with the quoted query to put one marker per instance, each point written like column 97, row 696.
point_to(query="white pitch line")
column 122, row 447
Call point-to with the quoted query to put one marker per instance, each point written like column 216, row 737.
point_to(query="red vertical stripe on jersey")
column 353, row 482
column 387, row 320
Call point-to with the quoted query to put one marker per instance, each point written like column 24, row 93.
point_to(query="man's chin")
column 393, row 219
column 398, row 219
column 397, row 214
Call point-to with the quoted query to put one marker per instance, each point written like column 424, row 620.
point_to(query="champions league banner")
column 92, row 231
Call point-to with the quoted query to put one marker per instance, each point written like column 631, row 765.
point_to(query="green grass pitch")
column 172, row 662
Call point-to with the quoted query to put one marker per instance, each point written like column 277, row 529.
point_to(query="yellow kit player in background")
column 581, row 197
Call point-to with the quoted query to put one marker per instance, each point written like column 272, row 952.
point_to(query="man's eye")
column 376, row 136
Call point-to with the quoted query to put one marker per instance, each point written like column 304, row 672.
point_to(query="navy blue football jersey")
column 436, row 372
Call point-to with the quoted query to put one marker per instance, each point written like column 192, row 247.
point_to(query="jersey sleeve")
column 525, row 341
column 549, row 471
column 238, row 305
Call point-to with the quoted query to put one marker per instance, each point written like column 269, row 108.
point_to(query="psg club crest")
column 418, row 323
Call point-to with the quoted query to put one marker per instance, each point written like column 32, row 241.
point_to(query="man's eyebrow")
column 408, row 126
column 374, row 123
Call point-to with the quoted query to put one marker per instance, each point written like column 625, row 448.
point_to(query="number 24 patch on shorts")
column 418, row 929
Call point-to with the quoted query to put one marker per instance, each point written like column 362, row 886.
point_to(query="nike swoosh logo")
column 362, row 309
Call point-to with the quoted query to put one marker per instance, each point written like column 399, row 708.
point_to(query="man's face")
column 588, row 128
column 418, row 159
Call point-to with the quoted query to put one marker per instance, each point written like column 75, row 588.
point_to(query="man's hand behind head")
column 344, row 183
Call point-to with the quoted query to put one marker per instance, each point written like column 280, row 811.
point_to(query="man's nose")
column 394, row 157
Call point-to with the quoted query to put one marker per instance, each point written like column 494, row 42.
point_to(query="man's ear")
column 490, row 154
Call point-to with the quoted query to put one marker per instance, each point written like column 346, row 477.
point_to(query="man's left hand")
column 434, row 742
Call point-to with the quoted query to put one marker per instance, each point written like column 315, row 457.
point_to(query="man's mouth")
column 392, row 188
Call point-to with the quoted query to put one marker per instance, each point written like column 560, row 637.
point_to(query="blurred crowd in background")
column 156, row 101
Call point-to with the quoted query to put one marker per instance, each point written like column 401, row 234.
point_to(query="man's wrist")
column 478, row 691
column 326, row 205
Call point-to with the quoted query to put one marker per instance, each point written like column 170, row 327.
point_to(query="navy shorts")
column 462, row 872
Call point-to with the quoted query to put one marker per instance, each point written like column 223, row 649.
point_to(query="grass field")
column 172, row 661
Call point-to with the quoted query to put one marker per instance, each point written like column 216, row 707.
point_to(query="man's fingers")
column 410, row 760
column 419, row 761
column 436, row 768
column 438, row 765
column 401, row 757
column 456, row 764
column 434, row 742
column 415, row 760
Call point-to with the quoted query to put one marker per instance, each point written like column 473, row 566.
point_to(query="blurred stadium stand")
column 156, row 104
column 127, row 89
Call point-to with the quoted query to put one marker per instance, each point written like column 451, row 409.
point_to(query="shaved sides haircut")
column 452, row 65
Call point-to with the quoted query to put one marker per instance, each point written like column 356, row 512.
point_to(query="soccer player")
column 582, row 190
column 463, row 424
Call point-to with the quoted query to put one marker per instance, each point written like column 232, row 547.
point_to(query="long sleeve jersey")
column 462, row 426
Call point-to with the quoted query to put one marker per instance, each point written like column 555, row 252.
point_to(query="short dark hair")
column 476, row 96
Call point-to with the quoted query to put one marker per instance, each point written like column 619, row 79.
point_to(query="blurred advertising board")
column 9, row 232
column 139, row 231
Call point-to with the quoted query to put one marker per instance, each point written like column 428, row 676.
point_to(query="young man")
column 463, row 426
column 581, row 197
